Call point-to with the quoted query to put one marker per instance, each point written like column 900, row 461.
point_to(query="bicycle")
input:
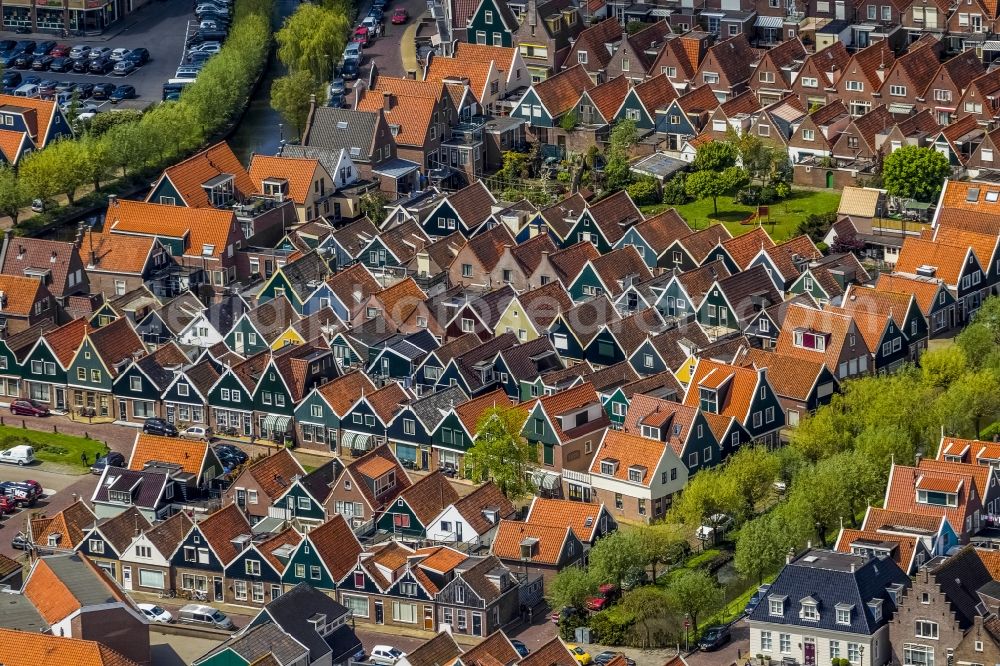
column 168, row 594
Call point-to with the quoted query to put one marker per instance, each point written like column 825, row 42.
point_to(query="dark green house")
column 493, row 23
column 324, row 556
column 417, row 506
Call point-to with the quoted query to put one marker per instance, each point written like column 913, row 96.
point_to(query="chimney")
column 388, row 101
column 112, row 200
column 790, row 556
column 6, row 241
column 78, row 241
column 917, row 458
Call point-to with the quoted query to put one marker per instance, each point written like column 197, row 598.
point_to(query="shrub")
column 674, row 193
column 644, row 192
column 990, row 431
column 611, row 626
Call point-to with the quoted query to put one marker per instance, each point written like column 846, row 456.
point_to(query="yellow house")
column 529, row 314
column 289, row 337
column 686, row 370
column 514, row 320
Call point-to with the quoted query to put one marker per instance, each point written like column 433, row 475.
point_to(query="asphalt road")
column 158, row 26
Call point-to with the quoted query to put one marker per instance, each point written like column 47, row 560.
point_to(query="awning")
column 545, row 480
column 660, row 12
column 276, row 423
column 769, row 22
column 356, row 441
column 991, row 45
column 900, row 108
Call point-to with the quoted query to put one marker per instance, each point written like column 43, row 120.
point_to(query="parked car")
column 207, row 36
column 351, row 69
column 362, row 35
column 20, row 542
column 204, row 433
column 28, row 408
column 118, row 54
column 21, row 493
column 24, row 60
column 123, row 68
column 353, row 50
column 11, row 79
column 7, row 45
column 84, row 90
column 400, row 16
column 582, row 656
column 385, row 655
column 230, row 455
column 79, row 51
column 101, row 65
column 81, row 65
column 47, row 88
column 756, row 598
column 103, row 91
column 714, row 638
column 112, row 459
column 19, row 455
column 157, row 426
column 42, row 62
column 25, row 46
column 122, row 93
column 7, row 506
column 99, row 52
column 60, row 64
column 155, row 613
column 60, row 50
column 336, row 100
column 198, row 58
column 140, row 56
column 206, row 616
column 37, row 205
column 44, row 47
column 606, row 595
column 606, row 656
column 521, row 648
column 372, row 23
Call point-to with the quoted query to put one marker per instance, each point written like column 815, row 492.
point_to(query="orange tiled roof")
column 116, row 253
column 740, row 393
column 205, row 228
column 968, row 195
column 188, row 176
column 275, row 472
column 560, row 92
column 221, row 527
column 10, row 144
column 900, row 494
column 885, row 520
column 948, row 260
column 42, row 111
column 745, row 247
column 629, row 451
column 441, row 559
column 477, row 73
column 298, row 171
column 510, row 534
column 69, row 524
column 188, row 453
column 20, row 293
column 341, row 393
column 902, row 555
column 411, row 115
column 566, row 512
column 53, row 595
column 401, row 299
column 789, row 376
column 470, row 411
column 22, row 648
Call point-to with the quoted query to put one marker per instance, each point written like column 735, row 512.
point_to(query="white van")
column 205, row 616
column 18, row 455
column 27, row 90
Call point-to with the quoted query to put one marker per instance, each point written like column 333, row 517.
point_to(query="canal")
column 260, row 129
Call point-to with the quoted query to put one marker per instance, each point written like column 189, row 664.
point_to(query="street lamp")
column 687, row 623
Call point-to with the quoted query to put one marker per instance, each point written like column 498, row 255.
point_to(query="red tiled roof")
column 189, row 176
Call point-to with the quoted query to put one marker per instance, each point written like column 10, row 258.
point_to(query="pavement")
column 734, row 652
column 158, row 26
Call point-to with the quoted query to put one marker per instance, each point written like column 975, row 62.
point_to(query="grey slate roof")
column 530, row 359
column 224, row 313
column 81, row 579
column 833, row 578
column 17, row 612
column 745, row 289
column 292, row 610
column 343, row 128
column 145, row 496
column 318, row 481
column 259, row 641
column 310, row 268
column 431, row 409
column 960, row 577
column 328, row 157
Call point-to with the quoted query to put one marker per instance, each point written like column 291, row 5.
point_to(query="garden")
column 53, row 447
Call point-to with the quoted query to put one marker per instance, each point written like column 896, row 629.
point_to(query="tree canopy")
column 500, row 454
column 915, row 172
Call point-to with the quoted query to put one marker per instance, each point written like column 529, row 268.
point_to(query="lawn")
column 785, row 215
column 54, row 448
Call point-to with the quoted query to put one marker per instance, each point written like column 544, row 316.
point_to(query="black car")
column 350, row 69
column 139, row 56
column 605, row 657
column 230, row 455
column 207, row 36
column 113, row 459
column 7, row 61
column 714, row 638
column 11, row 79
column 152, row 426
column 7, row 45
column 84, row 90
column 25, row 46
column 101, row 65
column 42, row 63
column 44, row 47
column 521, row 648
column 122, row 93
column 81, row 65
column 60, row 64
column 24, row 60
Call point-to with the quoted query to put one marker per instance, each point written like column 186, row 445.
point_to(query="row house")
column 545, row 34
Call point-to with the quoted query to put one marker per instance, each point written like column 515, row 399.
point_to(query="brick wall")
column 118, row 629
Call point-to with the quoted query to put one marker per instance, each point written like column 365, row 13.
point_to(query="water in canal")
column 259, row 131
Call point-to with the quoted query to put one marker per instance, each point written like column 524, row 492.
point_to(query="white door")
column 839, row 10
column 127, row 577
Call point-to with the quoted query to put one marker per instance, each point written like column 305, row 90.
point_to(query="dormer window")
column 875, row 606
column 776, row 605
column 810, row 340
column 609, row 466
column 650, row 432
column 708, row 400
column 276, row 188
column 936, row 498
column 844, row 613
column 809, row 610
column 220, row 190
column 636, row 473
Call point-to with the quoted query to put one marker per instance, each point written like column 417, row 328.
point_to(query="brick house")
column 260, row 483
column 727, row 67
column 863, row 76
column 773, row 76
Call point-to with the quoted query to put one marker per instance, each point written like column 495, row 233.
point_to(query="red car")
column 60, row 51
column 606, row 595
column 6, row 505
column 28, row 408
column 400, row 16
column 361, row 35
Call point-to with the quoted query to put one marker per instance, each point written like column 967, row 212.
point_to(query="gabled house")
column 633, row 60
column 34, row 124
column 801, row 385
column 146, row 562
column 253, row 577
column 862, row 77
column 817, row 78
column 139, row 387
column 417, row 506
column 471, row 519
column 457, row 431
column 730, row 303
column 193, row 464
column 207, row 548
column 857, row 143
column 853, row 597
column 536, row 548
column 696, row 248
column 303, row 180
column 651, row 237
column 208, row 179
column 544, row 103
column 934, row 300
column 952, row 493
column 259, row 485
column 957, row 266
column 545, row 33
column 902, row 308
column 465, row 211
column 106, row 542
column 742, row 393
column 726, row 67
column 56, row 264
column 324, row 556
column 152, row 491
column 589, row 520
column 831, row 337
column 492, row 23
column 567, row 425
column 774, row 74
column 610, row 275
column 593, row 49
column 101, row 356
column 368, row 486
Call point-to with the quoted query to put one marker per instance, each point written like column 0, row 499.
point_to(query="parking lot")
column 159, row 27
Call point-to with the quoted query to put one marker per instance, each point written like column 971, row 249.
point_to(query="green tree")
column 292, row 95
column 976, row 340
column 758, row 548
column 816, row 225
column 752, row 470
column 715, row 156
column 500, row 453
column 970, row 399
column 615, row 557
column 824, row 433
column 13, row 194
column 708, row 492
column 96, row 167
column 312, row 40
column 695, row 592
column 571, row 587
column 103, row 122
column 41, row 174
column 128, row 147
column 644, row 191
column 616, row 169
column 702, row 184
column 372, row 205
column 651, row 613
column 568, row 120
column 915, row 172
